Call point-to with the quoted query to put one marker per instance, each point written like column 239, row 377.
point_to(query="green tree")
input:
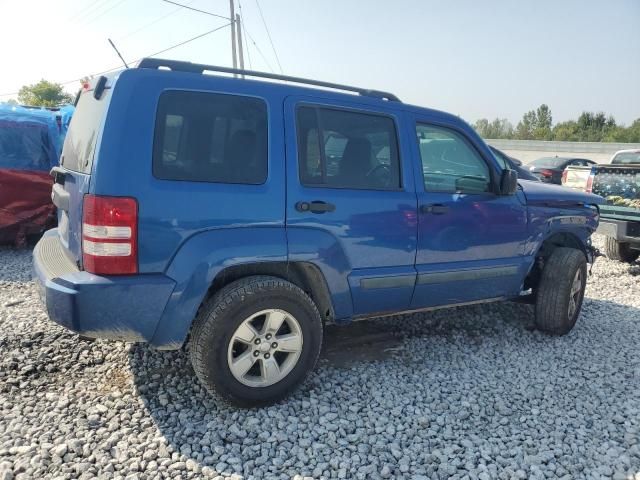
column 633, row 132
column 592, row 126
column 527, row 126
column 544, row 120
column 566, row 131
column 44, row 94
column 498, row 128
column 482, row 127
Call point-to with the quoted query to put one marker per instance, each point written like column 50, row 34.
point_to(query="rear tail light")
column 546, row 173
column 110, row 235
column 564, row 176
column 589, row 187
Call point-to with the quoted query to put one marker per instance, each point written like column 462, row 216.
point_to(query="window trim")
column 470, row 144
column 211, row 92
column 316, row 108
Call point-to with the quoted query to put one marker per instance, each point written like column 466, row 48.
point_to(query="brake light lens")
column 564, row 176
column 110, row 235
column 589, row 187
column 546, row 173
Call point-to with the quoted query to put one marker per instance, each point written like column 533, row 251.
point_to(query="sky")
column 476, row 59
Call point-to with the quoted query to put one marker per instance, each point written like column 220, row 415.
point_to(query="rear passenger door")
column 351, row 203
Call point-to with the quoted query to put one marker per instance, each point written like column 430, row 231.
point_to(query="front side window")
column 210, row 137
column 345, row 149
column 449, row 162
column 501, row 158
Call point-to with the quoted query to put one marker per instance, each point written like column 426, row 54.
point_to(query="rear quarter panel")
column 196, row 265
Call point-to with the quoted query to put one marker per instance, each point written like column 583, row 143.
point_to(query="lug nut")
column 268, row 336
column 266, row 355
column 257, row 341
column 274, row 345
column 256, row 353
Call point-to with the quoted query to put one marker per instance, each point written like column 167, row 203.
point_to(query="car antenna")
column 116, row 49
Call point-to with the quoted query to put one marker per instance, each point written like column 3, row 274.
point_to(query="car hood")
column 538, row 193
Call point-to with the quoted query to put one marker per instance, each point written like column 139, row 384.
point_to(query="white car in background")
column 578, row 177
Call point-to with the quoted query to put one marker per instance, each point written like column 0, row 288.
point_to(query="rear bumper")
column 621, row 230
column 117, row 307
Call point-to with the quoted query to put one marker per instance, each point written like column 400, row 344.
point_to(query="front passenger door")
column 470, row 238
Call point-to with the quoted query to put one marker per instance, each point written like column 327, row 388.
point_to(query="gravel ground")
column 466, row 393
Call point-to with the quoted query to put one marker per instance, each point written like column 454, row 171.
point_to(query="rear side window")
column 80, row 142
column 210, row 137
column 346, row 149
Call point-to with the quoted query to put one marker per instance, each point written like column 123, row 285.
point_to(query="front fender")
column 545, row 222
column 196, row 264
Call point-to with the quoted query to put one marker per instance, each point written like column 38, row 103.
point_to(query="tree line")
column 42, row 94
column 538, row 125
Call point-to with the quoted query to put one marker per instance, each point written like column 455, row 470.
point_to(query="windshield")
column 548, row 162
column 627, row 157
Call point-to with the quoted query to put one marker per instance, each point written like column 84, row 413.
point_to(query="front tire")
column 620, row 251
column 255, row 341
column 561, row 291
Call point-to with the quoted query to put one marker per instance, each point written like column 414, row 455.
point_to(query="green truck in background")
column 619, row 183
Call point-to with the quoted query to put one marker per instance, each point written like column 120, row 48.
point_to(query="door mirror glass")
column 508, row 182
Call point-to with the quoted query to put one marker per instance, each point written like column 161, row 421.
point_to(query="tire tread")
column 620, row 251
column 554, row 288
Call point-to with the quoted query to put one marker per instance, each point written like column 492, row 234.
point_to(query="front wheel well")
column 567, row 240
column 303, row 274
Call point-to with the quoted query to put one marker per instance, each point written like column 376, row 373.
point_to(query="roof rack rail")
column 177, row 65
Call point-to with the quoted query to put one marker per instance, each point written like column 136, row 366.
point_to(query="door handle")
column 316, row 206
column 436, row 209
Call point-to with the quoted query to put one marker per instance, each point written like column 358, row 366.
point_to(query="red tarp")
column 25, row 204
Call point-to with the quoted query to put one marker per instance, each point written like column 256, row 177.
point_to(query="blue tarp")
column 29, row 138
column 65, row 112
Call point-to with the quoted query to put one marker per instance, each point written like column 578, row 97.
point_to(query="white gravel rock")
column 467, row 393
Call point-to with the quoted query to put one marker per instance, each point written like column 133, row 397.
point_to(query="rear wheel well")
column 556, row 240
column 303, row 274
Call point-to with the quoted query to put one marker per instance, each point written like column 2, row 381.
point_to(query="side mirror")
column 508, row 182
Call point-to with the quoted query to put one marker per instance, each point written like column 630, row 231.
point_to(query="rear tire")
column 234, row 341
column 561, row 291
column 620, row 251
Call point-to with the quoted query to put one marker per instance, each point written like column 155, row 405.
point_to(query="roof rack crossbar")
column 177, row 65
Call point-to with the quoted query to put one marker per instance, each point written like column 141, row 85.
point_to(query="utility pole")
column 239, row 31
column 232, row 17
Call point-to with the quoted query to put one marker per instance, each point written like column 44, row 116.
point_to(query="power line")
column 84, row 11
column 99, row 10
column 153, row 22
column 186, row 41
column 258, row 49
column 269, row 35
column 137, row 60
column 197, row 10
column 104, row 12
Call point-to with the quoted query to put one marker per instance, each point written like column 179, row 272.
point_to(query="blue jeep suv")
column 240, row 216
